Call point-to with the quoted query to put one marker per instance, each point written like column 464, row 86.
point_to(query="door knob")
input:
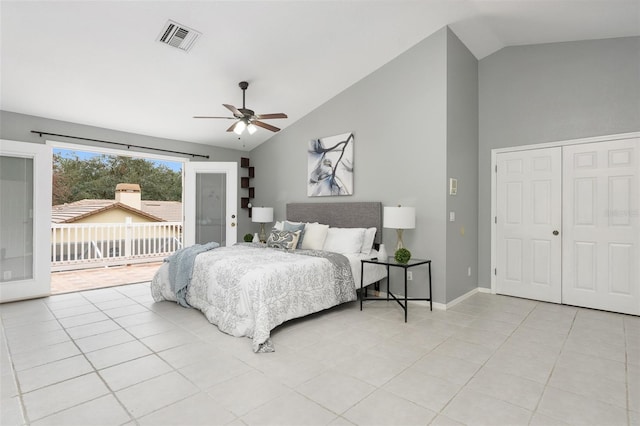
column 233, row 224
column 555, row 232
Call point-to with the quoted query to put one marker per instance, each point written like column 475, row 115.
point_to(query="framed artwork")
column 330, row 166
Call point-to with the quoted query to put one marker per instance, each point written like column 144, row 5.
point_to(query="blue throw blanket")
column 181, row 269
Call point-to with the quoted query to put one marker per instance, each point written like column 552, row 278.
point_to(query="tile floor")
column 114, row 357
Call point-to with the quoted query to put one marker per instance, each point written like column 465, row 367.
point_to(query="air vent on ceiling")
column 178, row 35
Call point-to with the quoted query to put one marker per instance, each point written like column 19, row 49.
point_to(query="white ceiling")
column 98, row 62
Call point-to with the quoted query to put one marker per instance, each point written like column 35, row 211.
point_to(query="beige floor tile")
column 117, row 354
column 133, row 372
column 103, row 411
column 474, row 408
column 45, row 355
column 246, row 392
column 289, row 408
column 154, row 394
column 58, row 397
column 196, row 410
column 213, row 370
column 577, row 409
column 516, row 390
column 428, row 391
column 590, row 385
column 54, row 372
column 335, row 391
column 454, row 370
column 490, row 361
column 385, row 408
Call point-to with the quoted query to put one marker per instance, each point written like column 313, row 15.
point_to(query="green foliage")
column 248, row 238
column 402, row 255
column 97, row 177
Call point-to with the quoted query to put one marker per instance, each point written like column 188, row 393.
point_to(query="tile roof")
column 158, row 211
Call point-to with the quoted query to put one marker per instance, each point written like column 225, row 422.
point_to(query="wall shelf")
column 245, row 183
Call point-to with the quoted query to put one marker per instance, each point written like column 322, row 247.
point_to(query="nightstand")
column 391, row 262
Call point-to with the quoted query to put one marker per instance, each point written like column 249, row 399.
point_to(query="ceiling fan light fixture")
column 239, row 128
column 251, row 128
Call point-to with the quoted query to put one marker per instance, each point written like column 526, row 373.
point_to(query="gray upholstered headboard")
column 339, row 215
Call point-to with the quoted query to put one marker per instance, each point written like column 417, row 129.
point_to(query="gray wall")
column 462, row 164
column 18, row 127
column 552, row 92
column 399, row 117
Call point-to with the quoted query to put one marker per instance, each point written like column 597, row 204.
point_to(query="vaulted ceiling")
column 99, row 62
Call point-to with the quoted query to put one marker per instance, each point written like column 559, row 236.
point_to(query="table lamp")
column 262, row 215
column 399, row 218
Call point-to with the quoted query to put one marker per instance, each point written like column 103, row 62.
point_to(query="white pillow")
column 314, row 236
column 344, row 240
column 367, row 242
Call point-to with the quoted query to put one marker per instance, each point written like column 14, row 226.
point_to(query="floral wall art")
column 330, row 165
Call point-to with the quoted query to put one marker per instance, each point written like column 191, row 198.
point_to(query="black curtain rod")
column 128, row 145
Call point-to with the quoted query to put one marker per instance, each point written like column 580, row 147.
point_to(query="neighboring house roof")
column 171, row 211
column 157, row 211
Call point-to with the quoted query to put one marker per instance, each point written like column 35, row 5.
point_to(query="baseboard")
column 442, row 306
column 436, row 305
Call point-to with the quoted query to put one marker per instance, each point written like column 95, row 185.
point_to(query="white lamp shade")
column 262, row 214
column 399, row 217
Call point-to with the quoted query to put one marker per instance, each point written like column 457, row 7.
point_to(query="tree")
column 75, row 179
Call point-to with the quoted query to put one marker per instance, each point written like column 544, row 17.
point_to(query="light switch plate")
column 453, row 186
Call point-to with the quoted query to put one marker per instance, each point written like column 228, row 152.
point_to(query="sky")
column 82, row 155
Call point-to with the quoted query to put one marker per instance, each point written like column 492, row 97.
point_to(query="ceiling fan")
column 247, row 119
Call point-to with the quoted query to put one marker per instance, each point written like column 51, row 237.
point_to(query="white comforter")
column 248, row 291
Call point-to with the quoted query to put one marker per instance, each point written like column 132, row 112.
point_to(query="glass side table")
column 391, row 262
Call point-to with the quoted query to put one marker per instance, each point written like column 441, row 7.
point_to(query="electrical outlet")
column 6, row 275
column 409, row 275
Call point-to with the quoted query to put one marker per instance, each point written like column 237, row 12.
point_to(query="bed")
column 250, row 288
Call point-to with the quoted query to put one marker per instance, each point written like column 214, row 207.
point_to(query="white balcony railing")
column 88, row 245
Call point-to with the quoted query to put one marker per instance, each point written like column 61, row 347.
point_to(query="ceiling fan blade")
column 233, row 126
column 205, row 116
column 266, row 126
column 271, row 116
column 234, row 110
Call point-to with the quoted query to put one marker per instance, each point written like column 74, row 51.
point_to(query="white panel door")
column 25, row 220
column 528, row 244
column 601, row 260
column 210, row 203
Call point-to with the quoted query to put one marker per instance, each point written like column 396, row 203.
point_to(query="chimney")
column 129, row 194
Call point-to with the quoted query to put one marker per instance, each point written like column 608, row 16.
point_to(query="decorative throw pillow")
column 279, row 225
column 344, row 240
column 367, row 243
column 283, row 239
column 293, row 227
column 314, row 236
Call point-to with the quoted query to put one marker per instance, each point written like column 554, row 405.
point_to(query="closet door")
column 601, row 260
column 528, row 239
